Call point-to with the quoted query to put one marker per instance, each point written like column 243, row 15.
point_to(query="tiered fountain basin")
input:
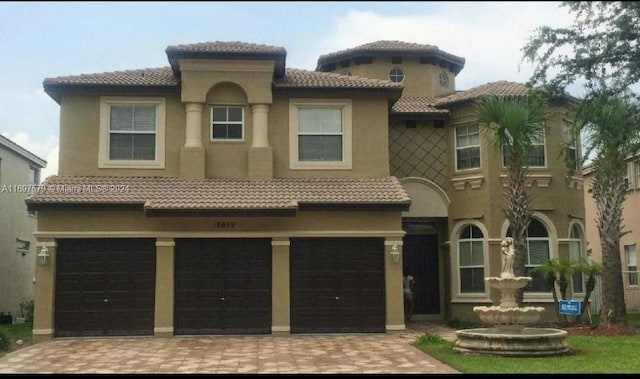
column 509, row 336
column 528, row 342
column 509, row 319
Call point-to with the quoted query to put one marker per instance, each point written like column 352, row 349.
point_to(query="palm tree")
column 515, row 123
column 558, row 271
column 592, row 270
column 612, row 126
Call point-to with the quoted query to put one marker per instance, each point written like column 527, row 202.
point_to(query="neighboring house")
column 228, row 193
column 19, row 174
column 630, row 239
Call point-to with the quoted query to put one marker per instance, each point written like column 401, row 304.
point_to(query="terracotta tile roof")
column 164, row 194
column 393, row 48
column 417, row 104
column 147, row 77
column 227, row 47
column 501, row 88
column 295, row 78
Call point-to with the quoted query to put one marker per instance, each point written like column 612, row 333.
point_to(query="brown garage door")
column 223, row 286
column 337, row 285
column 105, row 287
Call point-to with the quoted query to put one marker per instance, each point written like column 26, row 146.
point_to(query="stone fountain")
column 509, row 336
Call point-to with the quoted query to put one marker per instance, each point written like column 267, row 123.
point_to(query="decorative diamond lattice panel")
column 419, row 151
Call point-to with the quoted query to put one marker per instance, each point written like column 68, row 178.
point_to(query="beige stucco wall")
column 80, row 124
column 419, row 79
column 556, row 200
column 479, row 197
column 80, row 133
column 16, row 268
column 68, row 224
column 370, row 149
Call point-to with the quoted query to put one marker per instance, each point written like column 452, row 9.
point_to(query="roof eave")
column 456, row 64
column 56, row 90
column 279, row 58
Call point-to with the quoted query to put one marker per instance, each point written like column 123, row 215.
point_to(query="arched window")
column 471, row 259
column 537, row 254
column 577, row 255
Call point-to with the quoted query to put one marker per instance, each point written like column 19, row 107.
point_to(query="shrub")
column 26, row 308
column 429, row 338
column 4, row 340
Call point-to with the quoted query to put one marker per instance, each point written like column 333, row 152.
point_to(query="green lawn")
column 592, row 355
column 18, row 332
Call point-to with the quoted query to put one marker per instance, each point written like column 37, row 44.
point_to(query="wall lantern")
column 395, row 253
column 43, row 255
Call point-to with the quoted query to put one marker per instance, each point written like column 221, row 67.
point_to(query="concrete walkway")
column 370, row 353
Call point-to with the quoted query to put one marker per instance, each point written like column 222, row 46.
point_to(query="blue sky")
column 39, row 40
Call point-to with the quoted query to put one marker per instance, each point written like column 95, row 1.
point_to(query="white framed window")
column 227, row 123
column 572, row 146
column 396, row 75
column 34, row 175
column 471, row 259
column 577, row 255
column 132, row 132
column 320, row 134
column 628, row 176
column 537, row 154
column 637, row 165
column 538, row 252
column 467, row 146
column 632, row 264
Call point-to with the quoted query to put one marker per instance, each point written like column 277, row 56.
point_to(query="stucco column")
column 192, row 153
column 163, row 319
column 194, row 122
column 260, row 125
column 44, row 292
column 393, row 286
column 280, row 292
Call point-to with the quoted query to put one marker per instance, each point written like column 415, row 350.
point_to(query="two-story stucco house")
column 228, row 193
column 630, row 238
column 19, row 174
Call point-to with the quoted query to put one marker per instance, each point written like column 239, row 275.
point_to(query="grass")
column 15, row 332
column 18, row 331
column 592, row 355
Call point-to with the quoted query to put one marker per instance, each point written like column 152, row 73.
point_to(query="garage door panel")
column 337, row 285
column 122, row 271
column 238, row 270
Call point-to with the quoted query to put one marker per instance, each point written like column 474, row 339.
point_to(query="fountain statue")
column 509, row 336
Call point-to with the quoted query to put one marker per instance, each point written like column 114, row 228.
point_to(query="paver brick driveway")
column 383, row 353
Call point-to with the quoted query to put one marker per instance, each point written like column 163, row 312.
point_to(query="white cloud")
column 489, row 35
column 46, row 149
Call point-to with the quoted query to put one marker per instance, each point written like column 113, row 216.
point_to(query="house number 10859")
column 224, row 225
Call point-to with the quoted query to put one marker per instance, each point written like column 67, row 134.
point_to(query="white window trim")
column 404, row 74
column 457, row 295
column 583, row 249
column 235, row 122
column 544, row 144
column 347, row 160
column 460, row 267
column 626, row 259
column 455, row 141
column 103, row 148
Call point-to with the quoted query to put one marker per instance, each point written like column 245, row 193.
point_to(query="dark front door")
column 223, row 286
column 105, row 287
column 337, row 285
column 421, row 261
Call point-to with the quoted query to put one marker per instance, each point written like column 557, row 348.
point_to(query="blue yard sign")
column 569, row 307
